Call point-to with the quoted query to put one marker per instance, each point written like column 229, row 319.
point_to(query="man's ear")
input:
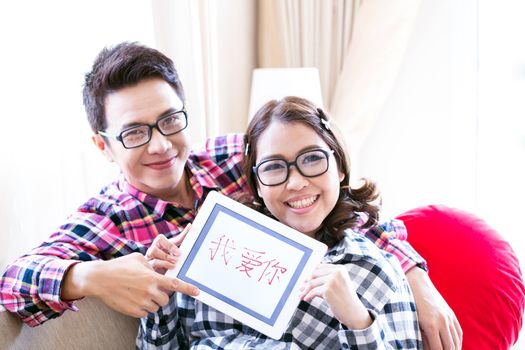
column 102, row 146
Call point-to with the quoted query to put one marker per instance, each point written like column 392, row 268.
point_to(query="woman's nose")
column 296, row 181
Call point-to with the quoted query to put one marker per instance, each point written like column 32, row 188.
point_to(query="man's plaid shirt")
column 186, row 323
column 122, row 220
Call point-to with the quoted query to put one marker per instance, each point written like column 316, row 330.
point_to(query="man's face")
column 156, row 168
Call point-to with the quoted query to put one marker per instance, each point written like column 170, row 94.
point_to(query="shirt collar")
column 352, row 245
column 156, row 204
column 200, row 180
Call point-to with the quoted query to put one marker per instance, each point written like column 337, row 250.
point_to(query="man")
column 135, row 105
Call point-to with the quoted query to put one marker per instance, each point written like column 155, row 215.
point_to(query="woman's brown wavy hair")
column 351, row 202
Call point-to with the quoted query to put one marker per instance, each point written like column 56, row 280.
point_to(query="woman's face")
column 300, row 202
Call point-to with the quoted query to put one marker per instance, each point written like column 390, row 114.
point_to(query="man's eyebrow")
column 130, row 125
column 163, row 114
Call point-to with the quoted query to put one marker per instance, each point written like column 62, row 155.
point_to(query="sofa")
column 95, row 326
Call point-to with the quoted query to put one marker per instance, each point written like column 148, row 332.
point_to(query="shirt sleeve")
column 391, row 237
column 371, row 337
column 168, row 328
column 31, row 286
column 375, row 336
column 222, row 147
column 384, row 291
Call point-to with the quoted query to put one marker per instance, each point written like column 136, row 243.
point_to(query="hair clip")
column 326, row 124
column 247, row 149
column 323, row 118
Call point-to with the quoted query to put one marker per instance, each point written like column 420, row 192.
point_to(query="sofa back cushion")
column 95, row 326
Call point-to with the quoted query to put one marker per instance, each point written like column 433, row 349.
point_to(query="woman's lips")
column 302, row 203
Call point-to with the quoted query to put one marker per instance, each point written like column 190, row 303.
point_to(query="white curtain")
column 422, row 149
column 213, row 57
column 306, row 33
column 358, row 47
column 370, row 69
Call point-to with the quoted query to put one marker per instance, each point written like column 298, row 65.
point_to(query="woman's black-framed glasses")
column 311, row 163
column 139, row 135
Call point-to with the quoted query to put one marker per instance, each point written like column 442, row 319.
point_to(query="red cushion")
column 475, row 270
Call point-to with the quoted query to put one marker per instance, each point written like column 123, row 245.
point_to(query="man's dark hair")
column 124, row 65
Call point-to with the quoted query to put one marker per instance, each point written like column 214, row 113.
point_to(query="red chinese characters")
column 253, row 263
column 225, row 246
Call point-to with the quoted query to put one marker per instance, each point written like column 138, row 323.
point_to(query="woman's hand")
column 333, row 284
column 163, row 253
column 439, row 326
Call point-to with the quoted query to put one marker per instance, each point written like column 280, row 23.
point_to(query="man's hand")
column 127, row 284
column 439, row 326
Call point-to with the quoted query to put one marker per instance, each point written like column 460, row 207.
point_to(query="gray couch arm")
column 95, row 326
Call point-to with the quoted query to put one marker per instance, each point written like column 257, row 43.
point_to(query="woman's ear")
column 102, row 146
column 341, row 176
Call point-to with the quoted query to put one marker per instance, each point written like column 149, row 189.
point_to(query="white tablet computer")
column 246, row 264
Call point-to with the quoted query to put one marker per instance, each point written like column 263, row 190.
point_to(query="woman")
column 358, row 297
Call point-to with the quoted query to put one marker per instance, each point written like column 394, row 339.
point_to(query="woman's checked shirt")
column 186, row 323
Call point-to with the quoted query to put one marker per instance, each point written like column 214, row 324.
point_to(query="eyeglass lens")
column 309, row 164
column 140, row 135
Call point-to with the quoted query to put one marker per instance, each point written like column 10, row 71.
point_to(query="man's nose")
column 158, row 143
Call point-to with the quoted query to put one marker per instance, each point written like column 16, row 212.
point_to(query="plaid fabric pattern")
column 122, row 220
column 391, row 236
column 117, row 222
column 186, row 323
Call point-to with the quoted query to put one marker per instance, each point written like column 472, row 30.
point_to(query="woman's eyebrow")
column 271, row 156
column 280, row 156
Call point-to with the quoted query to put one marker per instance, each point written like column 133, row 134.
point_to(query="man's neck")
column 182, row 194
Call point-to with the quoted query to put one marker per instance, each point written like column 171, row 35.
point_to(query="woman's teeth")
column 303, row 203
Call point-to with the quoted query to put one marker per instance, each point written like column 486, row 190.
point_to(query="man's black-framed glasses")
column 311, row 163
column 139, row 135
